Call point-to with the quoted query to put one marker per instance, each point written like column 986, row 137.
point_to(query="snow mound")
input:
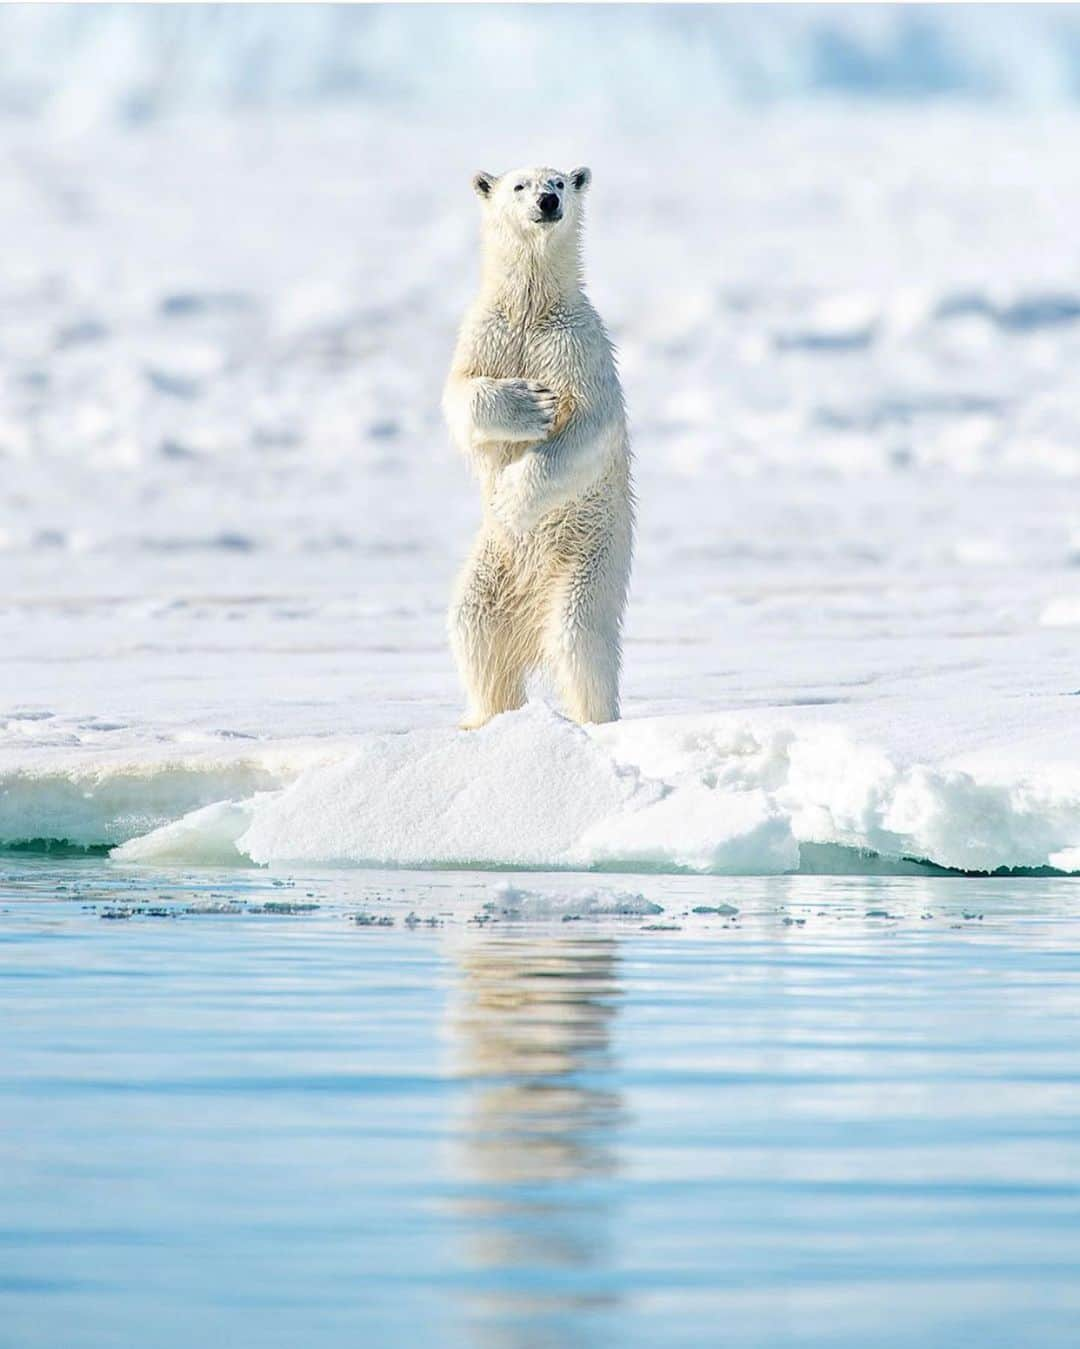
column 520, row 792
column 715, row 794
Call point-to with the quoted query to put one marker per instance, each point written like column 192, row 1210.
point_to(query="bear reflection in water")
column 531, row 1030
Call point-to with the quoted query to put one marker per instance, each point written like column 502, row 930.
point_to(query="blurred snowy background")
column 838, row 251
column 130, row 63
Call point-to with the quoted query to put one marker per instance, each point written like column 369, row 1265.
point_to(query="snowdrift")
column 715, row 794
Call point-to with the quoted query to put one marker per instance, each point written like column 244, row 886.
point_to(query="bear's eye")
column 560, row 185
column 519, row 187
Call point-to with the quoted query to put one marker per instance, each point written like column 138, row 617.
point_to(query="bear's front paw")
column 530, row 408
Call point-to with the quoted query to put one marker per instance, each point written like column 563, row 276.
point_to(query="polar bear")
column 533, row 399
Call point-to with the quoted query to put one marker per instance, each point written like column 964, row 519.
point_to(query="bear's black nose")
column 548, row 203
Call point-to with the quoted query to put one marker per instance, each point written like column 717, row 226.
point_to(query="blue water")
column 849, row 1115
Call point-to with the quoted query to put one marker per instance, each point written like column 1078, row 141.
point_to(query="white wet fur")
column 533, row 399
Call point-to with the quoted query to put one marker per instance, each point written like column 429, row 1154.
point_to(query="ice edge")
column 702, row 794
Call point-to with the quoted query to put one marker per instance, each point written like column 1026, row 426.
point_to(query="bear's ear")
column 581, row 178
column 482, row 183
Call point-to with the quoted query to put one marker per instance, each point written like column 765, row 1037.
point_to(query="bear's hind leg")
column 492, row 656
column 586, row 666
column 583, row 640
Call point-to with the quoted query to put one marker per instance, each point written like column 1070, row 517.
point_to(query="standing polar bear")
column 533, row 399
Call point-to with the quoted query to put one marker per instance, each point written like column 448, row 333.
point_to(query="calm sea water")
column 848, row 1115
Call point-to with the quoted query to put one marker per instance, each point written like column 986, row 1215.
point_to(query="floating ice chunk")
column 508, row 900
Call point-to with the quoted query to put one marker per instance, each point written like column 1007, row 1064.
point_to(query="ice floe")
column 709, row 794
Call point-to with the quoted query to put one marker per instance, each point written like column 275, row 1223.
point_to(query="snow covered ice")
column 232, row 515
column 338, row 1025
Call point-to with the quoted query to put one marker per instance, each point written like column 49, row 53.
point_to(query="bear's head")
column 533, row 203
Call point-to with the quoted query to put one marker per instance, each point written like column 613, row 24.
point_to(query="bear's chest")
column 546, row 349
